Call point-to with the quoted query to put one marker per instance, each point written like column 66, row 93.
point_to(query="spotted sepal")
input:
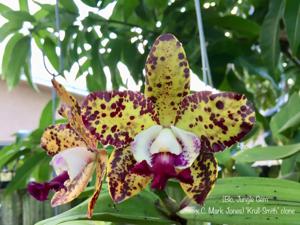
column 116, row 117
column 121, row 183
column 73, row 187
column 220, row 120
column 72, row 110
column 59, row 137
column 167, row 77
column 101, row 163
column 204, row 172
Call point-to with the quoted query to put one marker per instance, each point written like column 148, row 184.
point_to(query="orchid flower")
column 75, row 156
column 167, row 132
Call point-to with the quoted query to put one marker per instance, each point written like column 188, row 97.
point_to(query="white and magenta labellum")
column 165, row 153
column 68, row 164
column 72, row 160
column 40, row 191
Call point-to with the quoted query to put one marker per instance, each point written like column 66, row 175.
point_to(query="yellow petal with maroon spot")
column 59, row 137
column 65, row 111
column 74, row 187
column 220, row 120
column 116, row 117
column 101, row 163
column 71, row 110
column 121, row 183
column 167, row 77
column 204, row 172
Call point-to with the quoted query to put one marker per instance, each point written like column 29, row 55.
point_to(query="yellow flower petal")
column 74, row 187
column 100, row 173
column 116, row 117
column 220, row 120
column 72, row 111
column 167, row 77
column 121, row 183
column 204, row 171
column 59, row 137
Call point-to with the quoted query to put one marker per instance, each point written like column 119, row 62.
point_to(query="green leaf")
column 98, row 73
column 266, row 153
column 23, row 172
column 23, row 4
column 245, row 170
column 8, row 52
column 18, row 16
column 4, row 8
column 9, row 153
column 238, row 25
column 19, row 52
column 84, row 222
column 69, row 5
column 27, row 72
column 92, row 3
column 47, row 114
column 288, row 117
column 8, row 28
column 49, row 50
column 138, row 209
column 269, row 36
column 268, row 199
column 292, row 22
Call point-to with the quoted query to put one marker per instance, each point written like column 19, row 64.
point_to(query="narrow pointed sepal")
column 72, row 110
column 101, row 163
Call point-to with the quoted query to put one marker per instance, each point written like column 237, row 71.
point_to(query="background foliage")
column 253, row 48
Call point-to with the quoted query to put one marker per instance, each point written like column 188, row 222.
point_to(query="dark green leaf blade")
column 17, row 61
column 292, row 22
column 139, row 209
column 266, row 153
column 269, row 197
column 269, row 36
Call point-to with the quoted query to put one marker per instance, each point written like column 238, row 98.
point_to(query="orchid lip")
column 162, row 169
column 158, row 139
column 40, row 191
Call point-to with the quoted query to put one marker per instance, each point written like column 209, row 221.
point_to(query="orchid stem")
column 170, row 206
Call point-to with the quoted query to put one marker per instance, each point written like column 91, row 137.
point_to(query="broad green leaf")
column 269, row 36
column 288, row 117
column 140, row 209
column 85, row 222
column 8, row 52
column 8, row 28
column 23, row 172
column 49, row 50
column 18, row 16
column 47, row 114
column 238, row 25
column 266, row 153
column 292, row 22
column 267, row 201
column 10, row 153
column 4, row 8
column 19, row 52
